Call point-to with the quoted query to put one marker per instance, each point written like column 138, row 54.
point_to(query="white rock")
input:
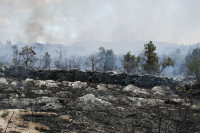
column 137, row 101
column 53, row 69
column 41, row 83
column 14, row 84
column 51, row 84
column 135, row 90
column 155, row 101
column 158, row 93
column 195, row 107
column 46, row 99
column 41, row 92
column 77, row 84
column 3, row 81
column 180, row 101
column 161, row 90
column 90, row 98
column 110, row 86
column 144, row 101
column 130, row 88
column 65, row 83
column 101, row 88
column 27, row 81
column 120, row 108
column 23, row 95
column 47, row 83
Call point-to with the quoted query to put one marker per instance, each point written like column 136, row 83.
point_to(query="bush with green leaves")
column 130, row 63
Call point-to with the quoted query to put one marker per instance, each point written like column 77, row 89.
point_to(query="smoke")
column 34, row 29
column 35, row 25
column 69, row 21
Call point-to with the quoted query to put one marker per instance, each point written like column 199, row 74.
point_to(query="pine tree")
column 151, row 65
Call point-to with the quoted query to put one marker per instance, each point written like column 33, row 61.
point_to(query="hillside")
column 63, row 106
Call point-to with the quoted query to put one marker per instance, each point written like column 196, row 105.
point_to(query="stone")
column 135, row 90
column 101, row 87
column 29, row 80
column 91, row 99
column 77, row 84
column 90, row 89
column 65, row 83
column 3, row 81
column 51, row 84
column 23, row 102
column 130, row 87
column 47, row 83
column 42, row 92
column 145, row 101
column 23, row 95
column 63, row 94
column 10, row 89
column 14, row 84
column 41, row 83
column 49, row 103
column 111, row 86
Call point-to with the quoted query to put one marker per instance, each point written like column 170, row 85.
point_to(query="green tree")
column 130, row 62
column 151, row 65
column 167, row 62
column 192, row 64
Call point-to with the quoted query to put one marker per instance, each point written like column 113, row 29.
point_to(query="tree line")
column 105, row 60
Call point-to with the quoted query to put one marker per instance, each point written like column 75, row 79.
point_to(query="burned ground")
column 62, row 106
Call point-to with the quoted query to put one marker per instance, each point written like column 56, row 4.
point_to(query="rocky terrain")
column 70, row 106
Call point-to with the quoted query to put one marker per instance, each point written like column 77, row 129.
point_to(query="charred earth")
column 58, row 101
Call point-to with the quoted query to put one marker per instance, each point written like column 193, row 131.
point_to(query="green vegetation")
column 151, row 65
column 167, row 62
column 130, row 62
column 192, row 64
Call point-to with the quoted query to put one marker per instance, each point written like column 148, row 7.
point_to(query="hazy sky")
column 69, row 21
